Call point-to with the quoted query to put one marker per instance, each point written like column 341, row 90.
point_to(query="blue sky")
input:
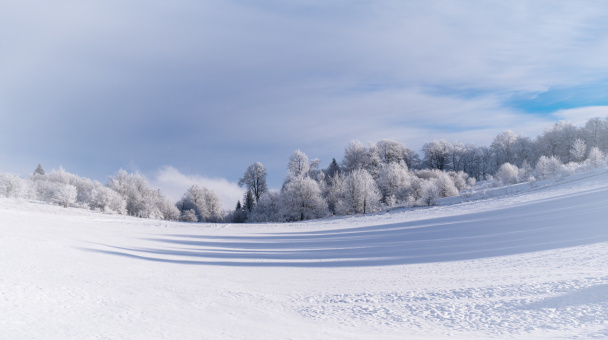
column 199, row 90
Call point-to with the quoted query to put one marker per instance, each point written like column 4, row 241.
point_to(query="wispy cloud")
column 580, row 115
column 213, row 86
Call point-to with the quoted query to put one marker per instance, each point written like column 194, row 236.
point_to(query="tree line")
column 387, row 173
column 367, row 179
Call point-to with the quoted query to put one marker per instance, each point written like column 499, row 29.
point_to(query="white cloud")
column 580, row 115
column 173, row 184
column 259, row 79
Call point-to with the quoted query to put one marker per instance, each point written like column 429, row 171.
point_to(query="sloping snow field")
column 518, row 266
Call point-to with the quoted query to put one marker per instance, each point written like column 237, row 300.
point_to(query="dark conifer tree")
column 39, row 170
column 332, row 169
column 249, row 201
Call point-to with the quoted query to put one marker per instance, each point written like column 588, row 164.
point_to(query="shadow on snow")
column 543, row 225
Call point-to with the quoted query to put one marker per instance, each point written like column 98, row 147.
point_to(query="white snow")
column 516, row 262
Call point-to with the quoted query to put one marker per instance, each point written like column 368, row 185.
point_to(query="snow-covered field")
column 516, row 262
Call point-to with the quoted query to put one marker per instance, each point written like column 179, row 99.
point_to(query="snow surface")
column 517, row 262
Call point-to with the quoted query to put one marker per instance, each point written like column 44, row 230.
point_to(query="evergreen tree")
column 39, row 170
column 239, row 215
column 249, row 201
column 332, row 169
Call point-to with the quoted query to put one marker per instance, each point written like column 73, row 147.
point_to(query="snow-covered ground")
column 518, row 262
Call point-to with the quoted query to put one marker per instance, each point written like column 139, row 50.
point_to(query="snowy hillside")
column 526, row 263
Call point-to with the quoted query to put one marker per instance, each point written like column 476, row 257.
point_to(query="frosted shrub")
column 203, row 201
column 301, row 199
column 361, row 194
column 547, row 167
column 394, row 182
column 471, row 182
column 578, row 150
column 107, row 200
column 532, row 181
column 188, row 216
column 268, row 208
column 426, row 173
column 390, row 201
column 142, row 201
column 12, row 186
column 596, row 157
column 169, row 211
column 335, row 191
column 43, row 189
column 45, row 186
column 525, row 170
column 84, row 188
column 430, row 191
column 416, row 190
column 507, row 174
column 64, row 194
column 446, row 185
column 459, row 178
column 445, row 181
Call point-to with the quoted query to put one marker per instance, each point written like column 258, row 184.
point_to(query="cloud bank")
column 173, row 184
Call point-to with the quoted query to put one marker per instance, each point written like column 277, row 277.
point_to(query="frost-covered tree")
column 188, row 216
column 444, row 180
column 430, row 191
column 547, row 167
column 373, row 163
column 487, row 162
column 193, row 199
column 44, row 185
column 268, row 208
column 354, row 156
column 142, row 201
column 446, row 185
column 301, row 199
column 595, row 133
column 314, row 170
column 213, row 207
column 579, row 150
column 504, row 147
column 335, row 191
column 361, row 194
column 168, row 210
column 12, row 186
column 107, row 200
column 460, row 179
column 203, row 201
column 64, row 194
column 394, row 182
column 254, row 180
column 298, row 165
column 436, row 154
column 507, row 174
column 558, row 141
column 457, row 157
column 391, row 151
column 596, row 157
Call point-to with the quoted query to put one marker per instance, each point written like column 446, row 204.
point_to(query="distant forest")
column 367, row 179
